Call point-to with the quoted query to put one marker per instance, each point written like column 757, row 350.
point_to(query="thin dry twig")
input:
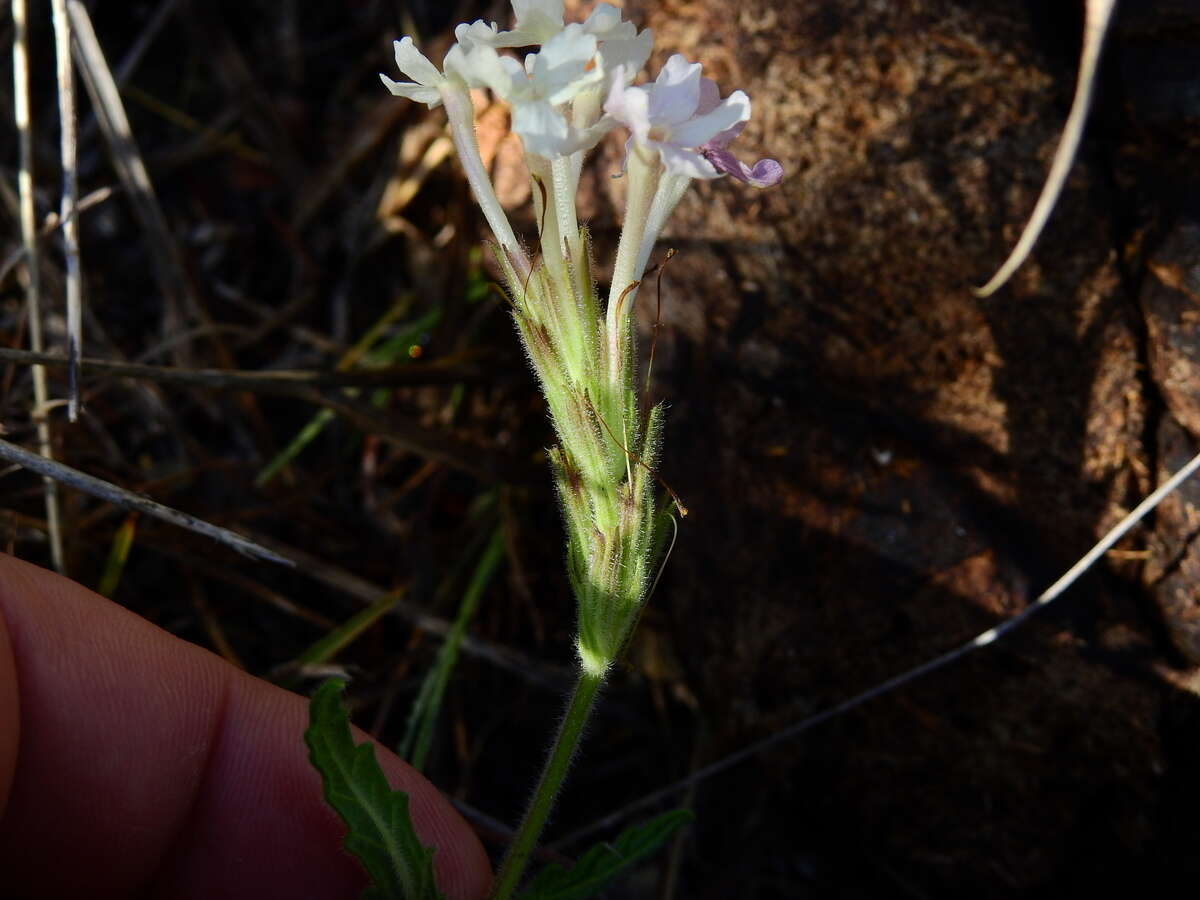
column 133, row 56
column 311, row 386
column 49, row 224
column 990, row 636
column 70, row 197
column 127, row 499
column 1099, row 14
column 127, row 160
column 33, row 293
column 270, row 380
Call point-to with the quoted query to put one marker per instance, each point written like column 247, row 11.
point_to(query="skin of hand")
column 134, row 764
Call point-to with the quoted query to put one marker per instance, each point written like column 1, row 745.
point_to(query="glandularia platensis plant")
column 577, row 87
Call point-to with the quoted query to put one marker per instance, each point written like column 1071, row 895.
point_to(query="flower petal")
column 418, row 92
column 629, row 105
column 482, row 66
column 605, row 23
column 560, row 68
column 542, row 128
column 765, row 173
column 733, row 109
column 689, row 163
column 675, row 93
column 478, row 32
column 413, row 63
column 710, row 96
column 631, row 53
column 537, row 19
column 725, row 138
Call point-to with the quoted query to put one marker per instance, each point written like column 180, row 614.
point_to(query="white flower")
column 557, row 95
column 682, row 117
column 540, row 90
column 426, row 79
column 537, row 22
column 627, row 52
column 606, row 24
column 478, row 32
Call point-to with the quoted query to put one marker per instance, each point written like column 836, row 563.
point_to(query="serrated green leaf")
column 380, row 832
column 598, row 867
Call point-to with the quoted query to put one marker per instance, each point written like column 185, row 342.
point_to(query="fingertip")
column 10, row 717
column 165, row 772
column 460, row 862
column 263, row 797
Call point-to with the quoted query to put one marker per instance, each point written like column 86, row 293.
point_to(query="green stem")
column 579, row 709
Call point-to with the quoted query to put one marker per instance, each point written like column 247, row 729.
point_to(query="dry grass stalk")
column 29, row 238
column 127, row 160
column 1099, row 14
column 126, row 499
column 68, row 149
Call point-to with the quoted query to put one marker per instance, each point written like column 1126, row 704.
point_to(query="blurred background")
column 877, row 464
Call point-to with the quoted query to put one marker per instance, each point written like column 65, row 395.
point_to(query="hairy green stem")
column 643, row 176
column 579, row 710
column 564, row 201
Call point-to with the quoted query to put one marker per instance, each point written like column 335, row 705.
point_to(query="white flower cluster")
column 576, row 87
column 579, row 86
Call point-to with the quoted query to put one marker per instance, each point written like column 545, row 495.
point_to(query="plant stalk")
column 579, row 710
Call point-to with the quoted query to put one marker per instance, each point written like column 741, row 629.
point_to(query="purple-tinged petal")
column 766, row 172
column 699, row 131
column 675, row 93
column 725, row 138
column 630, row 147
column 710, row 97
column 689, row 163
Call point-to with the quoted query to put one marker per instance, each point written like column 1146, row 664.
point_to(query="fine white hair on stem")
column 70, row 195
column 33, row 292
column 982, row 639
column 1099, row 14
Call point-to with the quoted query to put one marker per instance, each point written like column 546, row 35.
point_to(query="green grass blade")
column 418, row 733
column 303, row 438
column 380, row 831
column 390, row 351
column 347, row 633
column 118, row 555
column 597, row 868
